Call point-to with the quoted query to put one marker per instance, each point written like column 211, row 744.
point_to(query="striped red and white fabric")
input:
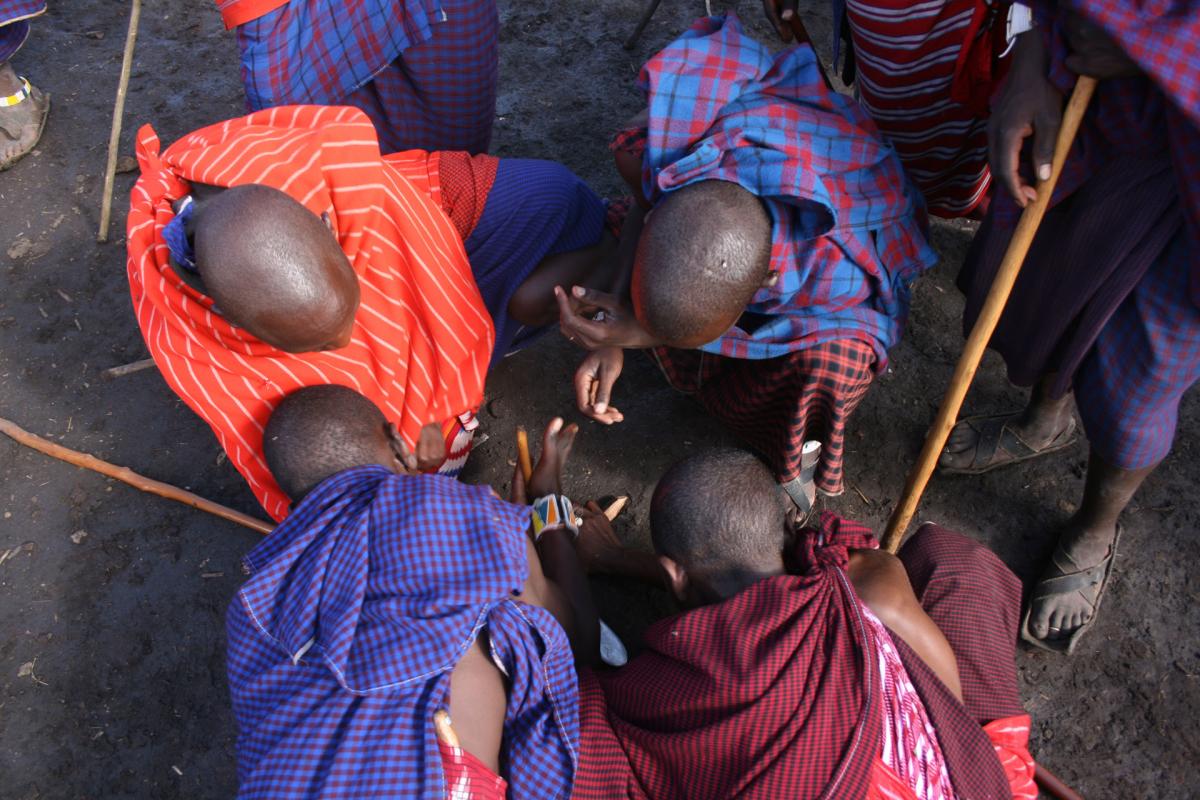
column 907, row 56
column 422, row 337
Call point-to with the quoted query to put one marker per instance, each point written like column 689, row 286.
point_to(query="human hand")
column 1094, row 52
column 778, row 13
column 431, row 449
column 597, row 546
column 1029, row 105
column 594, row 319
column 594, row 381
column 557, row 441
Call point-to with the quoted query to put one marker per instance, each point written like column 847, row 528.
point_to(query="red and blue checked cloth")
column 848, row 237
column 919, row 67
column 359, row 605
column 1131, row 115
column 777, row 404
column 14, row 24
column 425, row 71
column 778, row 689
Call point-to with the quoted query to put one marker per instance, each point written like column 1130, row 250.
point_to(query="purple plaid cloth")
column 425, row 71
column 848, row 228
column 1129, row 386
column 1130, row 115
column 342, row 642
column 14, row 24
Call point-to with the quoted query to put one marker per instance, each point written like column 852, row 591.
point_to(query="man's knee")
column 937, row 553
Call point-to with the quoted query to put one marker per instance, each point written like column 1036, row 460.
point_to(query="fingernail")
column 579, row 291
column 601, row 408
column 1044, row 172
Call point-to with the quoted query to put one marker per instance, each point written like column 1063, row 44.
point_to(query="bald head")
column 317, row 432
column 720, row 510
column 275, row 269
column 705, row 250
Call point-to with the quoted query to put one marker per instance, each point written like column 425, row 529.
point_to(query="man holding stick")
column 1107, row 305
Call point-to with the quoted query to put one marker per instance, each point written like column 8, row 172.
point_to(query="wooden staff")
column 523, row 454
column 989, row 316
column 1052, row 785
column 126, row 475
column 110, row 171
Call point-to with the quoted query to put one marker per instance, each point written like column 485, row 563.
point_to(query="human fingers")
column 517, row 494
column 1004, row 146
column 771, row 11
column 1046, row 123
column 607, row 376
column 400, row 449
column 594, row 298
column 431, row 447
column 787, row 9
column 585, row 385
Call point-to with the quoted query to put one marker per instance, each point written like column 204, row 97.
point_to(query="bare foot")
column 21, row 126
column 1057, row 611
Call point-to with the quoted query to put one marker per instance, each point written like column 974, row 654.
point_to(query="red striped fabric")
column 907, row 55
column 422, row 337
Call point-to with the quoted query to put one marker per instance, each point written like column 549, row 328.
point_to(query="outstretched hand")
column 594, row 319
column 594, row 381
column 597, row 546
column 557, row 441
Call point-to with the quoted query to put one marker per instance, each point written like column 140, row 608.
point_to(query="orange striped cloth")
column 422, row 338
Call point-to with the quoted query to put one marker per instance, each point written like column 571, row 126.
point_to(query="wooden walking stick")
column 989, row 316
column 126, row 475
column 114, row 138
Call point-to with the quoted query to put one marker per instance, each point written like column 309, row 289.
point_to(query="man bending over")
column 809, row 664
column 389, row 596
column 281, row 250
column 772, row 272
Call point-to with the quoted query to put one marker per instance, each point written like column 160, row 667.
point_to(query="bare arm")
column 881, row 582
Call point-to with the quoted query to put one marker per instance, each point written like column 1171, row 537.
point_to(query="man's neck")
column 722, row 585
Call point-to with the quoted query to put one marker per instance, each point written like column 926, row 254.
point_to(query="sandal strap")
column 1079, row 578
column 20, row 96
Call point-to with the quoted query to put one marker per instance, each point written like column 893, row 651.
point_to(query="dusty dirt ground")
column 112, row 678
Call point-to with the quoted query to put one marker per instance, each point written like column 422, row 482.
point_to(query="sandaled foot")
column 1064, row 603
column 21, row 124
column 979, row 444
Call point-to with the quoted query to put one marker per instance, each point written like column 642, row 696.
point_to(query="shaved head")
column 275, row 269
column 703, row 253
column 719, row 510
column 317, row 432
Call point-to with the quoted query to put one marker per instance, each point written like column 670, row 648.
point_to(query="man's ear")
column 771, row 279
column 677, row 577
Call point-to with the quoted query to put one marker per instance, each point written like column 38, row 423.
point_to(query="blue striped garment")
column 342, row 642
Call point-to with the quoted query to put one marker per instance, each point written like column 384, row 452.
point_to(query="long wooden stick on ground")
column 126, row 475
column 114, row 138
column 989, row 316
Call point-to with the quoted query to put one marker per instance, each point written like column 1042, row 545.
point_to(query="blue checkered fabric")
column 848, row 234
column 14, row 24
column 425, row 71
column 342, row 642
column 1129, row 386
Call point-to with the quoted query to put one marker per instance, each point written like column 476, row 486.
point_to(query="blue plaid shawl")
column 342, row 642
column 319, row 51
column 848, row 227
